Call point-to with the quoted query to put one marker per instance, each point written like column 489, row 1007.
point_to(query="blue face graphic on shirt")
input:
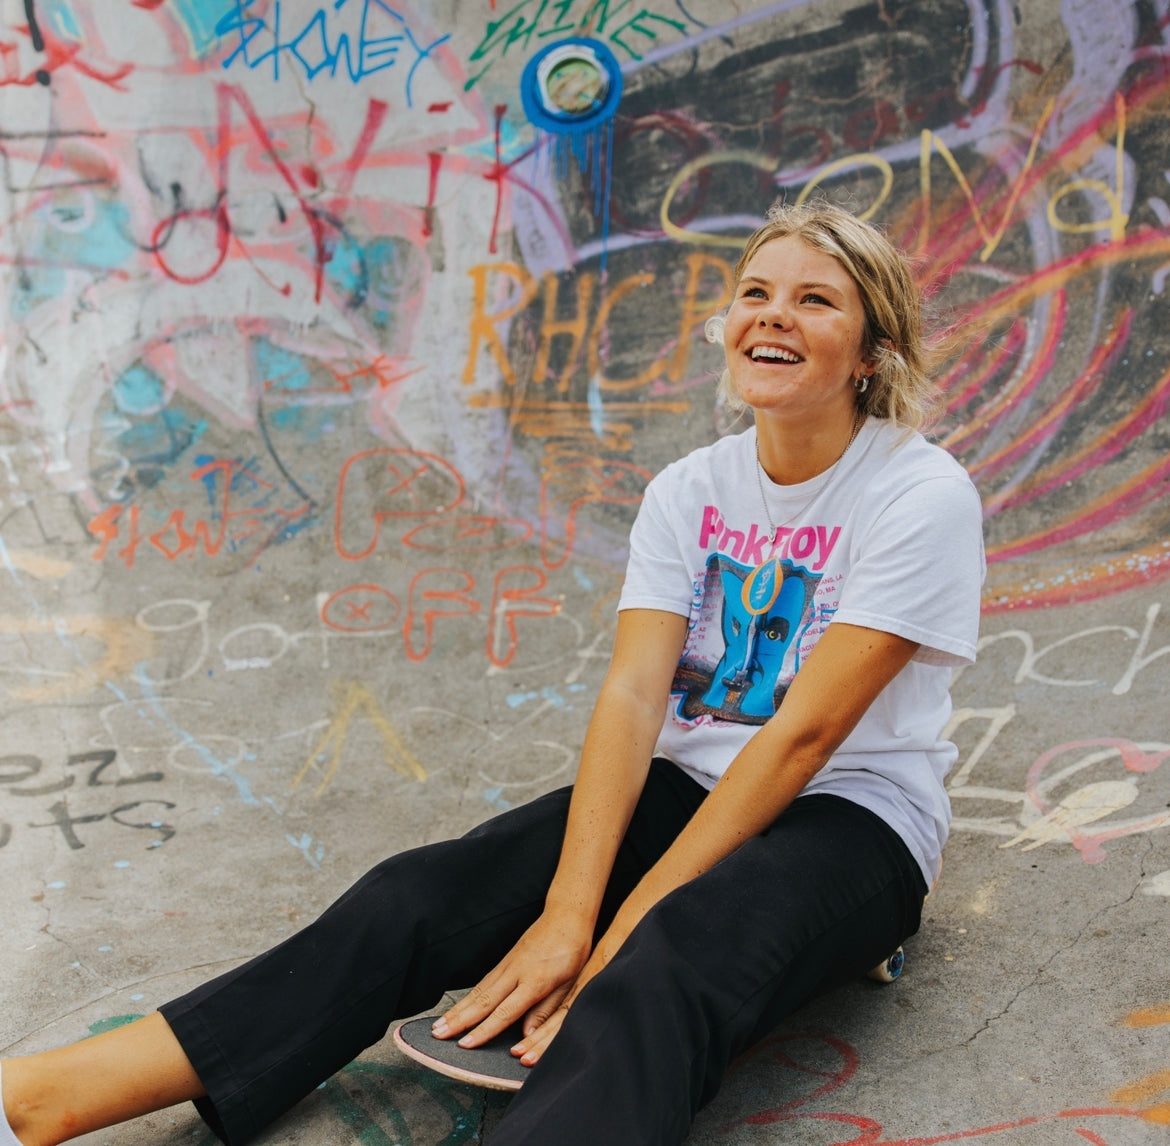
column 761, row 614
column 756, row 639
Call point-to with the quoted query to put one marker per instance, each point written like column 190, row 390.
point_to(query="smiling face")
column 793, row 335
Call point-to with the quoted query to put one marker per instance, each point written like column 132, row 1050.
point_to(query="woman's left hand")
column 543, row 1022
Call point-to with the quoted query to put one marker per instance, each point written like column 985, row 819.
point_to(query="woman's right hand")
column 531, row 980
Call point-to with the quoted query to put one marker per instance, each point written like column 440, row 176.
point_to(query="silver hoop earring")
column 862, row 384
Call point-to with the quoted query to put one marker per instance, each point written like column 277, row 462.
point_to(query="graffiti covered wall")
column 340, row 340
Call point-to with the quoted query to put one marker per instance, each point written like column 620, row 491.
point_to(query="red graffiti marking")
column 510, row 602
column 500, row 172
column 780, row 133
column 1046, row 424
column 1144, row 488
column 445, row 592
column 227, row 95
column 163, row 232
column 985, row 79
column 868, row 1130
column 232, row 99
column 422, row 485
column 382, row 370
column 357, row 601
column 469, row 534
column 686, row 141
column 777, row 1047
column 579, row 484
column 435, row 161
column 1007, row 400
column 59, row 54
column 1109, row 444
column 375, row 113
column 496, row 173
column 866, row 128
column 423, row 595
column 978, row 364
column 104, row 528
column 175, row 538
column 387, row 378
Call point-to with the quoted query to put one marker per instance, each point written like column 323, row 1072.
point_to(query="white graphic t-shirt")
column 890, row 538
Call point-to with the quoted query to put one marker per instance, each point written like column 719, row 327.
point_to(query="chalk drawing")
column 351, row 700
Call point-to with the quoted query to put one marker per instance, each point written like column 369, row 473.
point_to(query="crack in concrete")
column 1073, row 942
column 481, row 1129
column 46, row 929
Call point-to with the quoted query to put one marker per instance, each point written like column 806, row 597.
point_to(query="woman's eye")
column 819, row 299
column 754, row 292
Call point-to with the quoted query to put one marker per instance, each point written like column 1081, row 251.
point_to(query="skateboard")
column 889, row 969
column 491, row 1065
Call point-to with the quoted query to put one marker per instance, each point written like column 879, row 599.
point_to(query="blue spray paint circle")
column 572, row 86
column 139, row 391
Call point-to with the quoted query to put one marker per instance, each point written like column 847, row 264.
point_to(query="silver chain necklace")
column 858, row 422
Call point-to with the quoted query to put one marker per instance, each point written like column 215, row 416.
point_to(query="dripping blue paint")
column 583, row 130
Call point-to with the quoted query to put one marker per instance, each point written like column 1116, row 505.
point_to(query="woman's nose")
column 774, row 316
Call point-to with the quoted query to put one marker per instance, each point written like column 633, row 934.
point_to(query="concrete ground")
column 1035, row 1005
column 308, row 551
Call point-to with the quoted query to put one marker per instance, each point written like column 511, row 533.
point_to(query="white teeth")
column 773, row 353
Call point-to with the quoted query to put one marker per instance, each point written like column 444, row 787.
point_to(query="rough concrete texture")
column 332, row 375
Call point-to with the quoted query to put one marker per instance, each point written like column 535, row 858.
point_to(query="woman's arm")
column 841, row 678
column 534, row 976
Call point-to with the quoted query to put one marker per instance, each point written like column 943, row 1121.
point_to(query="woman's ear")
column 872, row 360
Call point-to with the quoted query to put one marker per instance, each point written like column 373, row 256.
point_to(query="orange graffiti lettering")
column 510, row 602
column 573, row 328
column 420, row 599
column 483, row 325
column 420, row 485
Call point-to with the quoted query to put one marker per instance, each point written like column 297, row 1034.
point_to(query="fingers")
column 533, row 977
column 497, row 1002
column 476, row 1005
column 505, row 1014
column 489, row 998
column 538, row 1031
column 533, row 1045
column 540, row 1014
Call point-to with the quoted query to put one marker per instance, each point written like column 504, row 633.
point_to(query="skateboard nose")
column 492, row 1065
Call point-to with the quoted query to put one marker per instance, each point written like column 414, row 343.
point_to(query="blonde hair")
column 900, row 388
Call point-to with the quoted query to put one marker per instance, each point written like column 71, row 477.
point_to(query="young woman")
column 759, row 808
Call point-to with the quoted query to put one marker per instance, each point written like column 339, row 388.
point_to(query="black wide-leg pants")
column 827, row 892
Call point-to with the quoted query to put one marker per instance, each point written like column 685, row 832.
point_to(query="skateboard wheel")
column 889, row 969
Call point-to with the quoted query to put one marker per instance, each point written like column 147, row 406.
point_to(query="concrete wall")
column 333, row 372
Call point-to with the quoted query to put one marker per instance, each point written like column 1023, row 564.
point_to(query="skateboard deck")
column 491, row 1065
